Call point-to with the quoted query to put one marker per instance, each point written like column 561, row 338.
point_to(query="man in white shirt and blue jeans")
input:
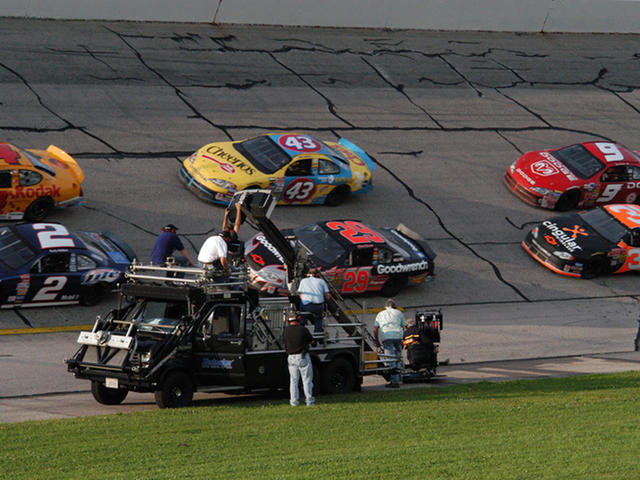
column 389, row 330
column 313, row 292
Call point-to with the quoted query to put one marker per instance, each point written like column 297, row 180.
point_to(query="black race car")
column 590, row 243
column 354, row 257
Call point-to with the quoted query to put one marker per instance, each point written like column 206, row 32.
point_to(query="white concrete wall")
column 620, row 16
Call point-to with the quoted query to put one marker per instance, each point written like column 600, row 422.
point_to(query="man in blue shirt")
column 313, row 292
column 167, row 243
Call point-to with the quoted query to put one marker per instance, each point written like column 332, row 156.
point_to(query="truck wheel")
column 338, row 377
column 176, row 391
column 392, row 286
column 92, row 294
column 337, row 196
column 108, row 396
column 594, row 267
column 38, row 209
column 568, row 201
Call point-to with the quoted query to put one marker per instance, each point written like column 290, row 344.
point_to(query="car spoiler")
column 358, row 151
column 407, row 232
column 65, row 158
column 121, row 244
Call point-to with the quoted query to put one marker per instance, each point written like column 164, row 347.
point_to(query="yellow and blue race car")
column 297, row 168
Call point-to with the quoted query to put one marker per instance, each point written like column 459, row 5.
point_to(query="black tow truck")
column 180, row 330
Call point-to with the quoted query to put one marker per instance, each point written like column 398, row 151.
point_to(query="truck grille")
column 520, row 192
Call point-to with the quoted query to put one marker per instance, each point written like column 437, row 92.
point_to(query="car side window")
column 5, row 179
column 85, row 263
column 362, row 257
column 327, row 167
column 299, row 169
column 29, row 178
column 615, row 174
column 52, row 263
column 223, row 320
column 634, row 172
column 384, row 255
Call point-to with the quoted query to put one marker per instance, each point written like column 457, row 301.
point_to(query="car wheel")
column 392, row 286
column 38, row 209
column 175, row 391
column 338, row 377
column 337, row 196
column 108, row 396
column 594, row 267
column 568, row 201
column 92, row 295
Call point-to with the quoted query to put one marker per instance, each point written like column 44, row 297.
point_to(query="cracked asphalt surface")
column 442, row 113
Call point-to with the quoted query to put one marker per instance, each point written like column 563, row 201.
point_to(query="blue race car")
column 298, row 169
column 44, row 264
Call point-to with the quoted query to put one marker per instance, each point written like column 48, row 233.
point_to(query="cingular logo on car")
column 402, row 268
column 565, row 240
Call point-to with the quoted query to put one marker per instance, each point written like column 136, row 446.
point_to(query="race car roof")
column 626, row 213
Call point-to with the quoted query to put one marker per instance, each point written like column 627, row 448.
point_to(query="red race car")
column 578, row 176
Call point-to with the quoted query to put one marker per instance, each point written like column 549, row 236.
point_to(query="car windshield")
column 160, row 316
column 605, row 224
column 264, row 154
column 327, row 251
column 92, row 245
column 14, row 252
column 579, row 160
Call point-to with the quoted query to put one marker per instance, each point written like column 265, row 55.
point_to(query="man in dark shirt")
column 167, row 243
column 297, row 340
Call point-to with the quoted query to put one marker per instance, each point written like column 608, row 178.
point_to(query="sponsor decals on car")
column 559, row 165
column 239, row 163
column 560, row 234
column 100, row 275
column 543, row 168
column 401, row 268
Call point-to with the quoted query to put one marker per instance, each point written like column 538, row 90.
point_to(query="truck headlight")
column 541, row 190
column 223, row 183
column 534, row 232
column 563, row 255
column 145, row 358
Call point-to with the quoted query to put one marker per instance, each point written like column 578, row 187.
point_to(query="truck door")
column 221, row 346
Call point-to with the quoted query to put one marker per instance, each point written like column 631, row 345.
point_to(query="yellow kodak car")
column 32, row 182
column 297, row 168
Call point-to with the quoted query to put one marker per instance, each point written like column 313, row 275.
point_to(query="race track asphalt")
column 442, row 113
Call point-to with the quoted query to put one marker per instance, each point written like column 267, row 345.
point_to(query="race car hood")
column 222, row 162
column 569, row 233
column 541, row 169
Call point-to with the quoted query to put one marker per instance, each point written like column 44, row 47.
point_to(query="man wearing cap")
column 313, row 292
column 167, row 243
column 214, row 250
column 389, row 330
column 297, row 340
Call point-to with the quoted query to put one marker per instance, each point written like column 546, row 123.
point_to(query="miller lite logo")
column 544, row 168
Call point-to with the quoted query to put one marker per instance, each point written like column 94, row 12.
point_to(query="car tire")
column 338, row 377
column 594, row 267
column 568, row 201
column 175, row 391
column 108, row 396
column 92, row 294
column 392, row 286
column 337, row 196
column 38, row 209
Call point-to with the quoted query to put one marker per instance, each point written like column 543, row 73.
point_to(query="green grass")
column 584, row 427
